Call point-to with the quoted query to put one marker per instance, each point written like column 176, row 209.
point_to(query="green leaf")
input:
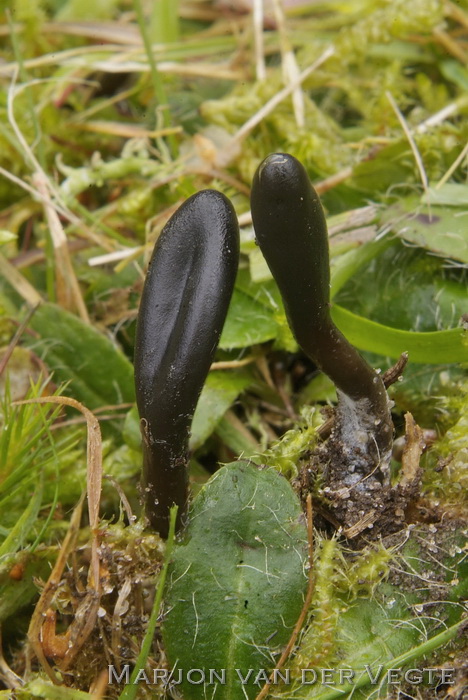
column 259, row 270
column 440, row 229
column 348, row 264
column 452, row 194
column 248, row 323
column 131, row 429
column 389, row 166
column 98, row 372
column 431, row 347
column 407, row 289
column 237, row 581
column 234, row 435
column 220, row 391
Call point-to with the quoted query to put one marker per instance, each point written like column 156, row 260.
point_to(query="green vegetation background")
column 111, row 114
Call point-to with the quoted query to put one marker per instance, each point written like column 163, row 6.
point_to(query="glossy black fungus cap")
column 291, row 231
column 183, row 307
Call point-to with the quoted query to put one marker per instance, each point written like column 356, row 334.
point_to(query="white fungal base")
column 354, row 435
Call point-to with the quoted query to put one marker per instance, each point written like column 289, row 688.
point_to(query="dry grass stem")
column 129, row 131
column 67, row 287
column 116, row 256
column 438, row 118
column 257, row 21
column 289, row 66
column 458, row 161
column 412, row 451
column 109, row 32
column 232, row 364
column 451, row 46
column 366, row 521
column 19, row 283
column 35, row 637
column 86, row 613
column 411, row 141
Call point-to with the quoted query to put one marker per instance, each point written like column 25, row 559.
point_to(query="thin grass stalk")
column 158, row 86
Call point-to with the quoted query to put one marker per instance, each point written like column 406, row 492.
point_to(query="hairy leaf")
column 439, row 226
column 237, row 582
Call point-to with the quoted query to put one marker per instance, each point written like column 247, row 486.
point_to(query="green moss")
column 368, row 570
column 446, row 476
column 391, row 19
column 285, row 454
column 318, row 642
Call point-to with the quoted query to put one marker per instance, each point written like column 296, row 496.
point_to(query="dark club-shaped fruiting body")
column 183, row 307
column 291, row 230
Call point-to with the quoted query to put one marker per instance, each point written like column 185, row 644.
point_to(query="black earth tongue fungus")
column 291, row 231
column 183, row 307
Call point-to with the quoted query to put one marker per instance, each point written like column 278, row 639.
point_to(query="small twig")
column 456, row 13
column 333, row 181
column 38, row 141
column 80, row 421
column 32, row 256
column 305, row 608
column 393, row 374
column 115, row 256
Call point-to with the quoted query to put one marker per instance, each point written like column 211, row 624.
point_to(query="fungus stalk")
column 183, row 307
column 291, row 230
